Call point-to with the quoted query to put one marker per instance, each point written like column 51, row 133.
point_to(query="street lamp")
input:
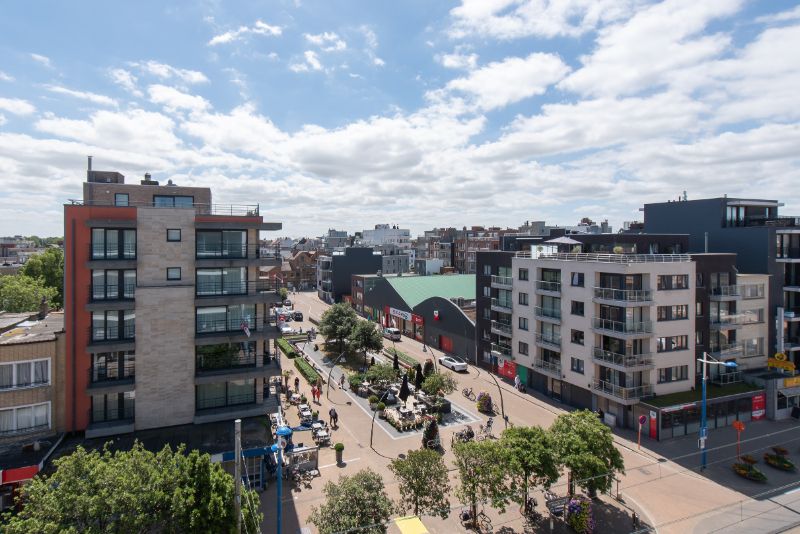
column 703, row 426
column 282, row 435
column 328, row 390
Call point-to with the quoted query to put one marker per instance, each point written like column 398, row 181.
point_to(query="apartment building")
column 386, row 234
column 333, row 240
column 334, row 271
column 31, row 394
column 167, row 322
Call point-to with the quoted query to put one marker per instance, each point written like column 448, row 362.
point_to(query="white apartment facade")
column 601, row 331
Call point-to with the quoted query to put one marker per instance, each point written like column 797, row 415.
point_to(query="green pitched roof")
column 415, row 289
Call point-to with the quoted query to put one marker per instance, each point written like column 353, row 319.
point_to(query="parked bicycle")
column 467, row 392
column 485, row 431
column 529, row 512
column 480, row 522
column 463, row 436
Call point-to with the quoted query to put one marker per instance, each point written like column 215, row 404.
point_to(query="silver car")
column 453, row 362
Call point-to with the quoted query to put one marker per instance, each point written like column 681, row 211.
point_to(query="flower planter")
column 749, row 472
column 780, row 450
column 778, row 461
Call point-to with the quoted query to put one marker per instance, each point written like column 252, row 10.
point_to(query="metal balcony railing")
column 243, row 210
column 234, row 251
column 745, row 291
column 506, row 281
column 549, row 339
column 550, row 313
column 99, row 251
column 611, row 258
column 110, row 375
column 548, row 367
column 114, row 414
column 602, row 356
column 636, row 327
column 504, row 350
column 623, row 295
column 743, row 318
column 724, row 379
column 624, row 393
column 216, row 288
column 226, row 401
column 505, row 328
column 544, row 285
column 111, row 333
column 112, row 292
column 208, row 363
column 25, row 430
column 504, row 304
column 230, row 325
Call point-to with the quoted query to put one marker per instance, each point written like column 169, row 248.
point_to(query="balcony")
column 232, row 291
column 788, row 254
column 110, row 338
column 548, row 341
column 624, row 329
column 111, row 378
column 501, row 351
column 232, row 330
column 791, row 344
column 738, row 292
column 791, row 314
column 623, row 297
column 548, row 367
column 502, row 306
column 737, row 320
column 236, row 251
column 594, row 257
column 241, row 210
column 111, row 422
column 624, row 395
column 502, row 282
column 543, row 286
column 24, row 431
column 723, row 379
column 622, row 362
column 501, row 329
column 552, row 315
column 112, row 292
column 99, row 252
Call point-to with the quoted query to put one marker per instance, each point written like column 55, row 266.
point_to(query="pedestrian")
column 334, row 417
column 517, row 382
column 319, row 394
column 341, row 381
column 314, row 393
column 297, row 384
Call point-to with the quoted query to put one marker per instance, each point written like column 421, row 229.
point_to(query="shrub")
column 308, row 372
column 355, row 381
column 402, row 356
column 373, row 399
column 286, row 348
column 380, row 407
column 579, row 515
column 381, row 373
column 439, row 383
column 484, row 402
column 339, row 447
column 428, row 368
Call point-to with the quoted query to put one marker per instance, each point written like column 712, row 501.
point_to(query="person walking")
column 314, row 393
column 341, row 381
column 297, row 384
column 334, row 417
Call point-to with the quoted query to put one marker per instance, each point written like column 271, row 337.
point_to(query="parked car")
column 286, row 329
column 392, row 334
column 287, row 303
column 298, row 316
column 453, row 362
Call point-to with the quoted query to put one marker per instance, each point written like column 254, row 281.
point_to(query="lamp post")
column 328, row 390
column 282, row 433
column 374, row 413
column 703, row 425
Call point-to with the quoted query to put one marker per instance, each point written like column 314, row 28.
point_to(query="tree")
column 22, row 293
column 355, row 502
column 381, row 373
column 481, row 469
column 531, row 460
column 283, row 293
column 48, row 266
column 423, row 483
column 365, row 337
column 133, row 491
column 586, row 447
column 338, row 322
column 439, row 384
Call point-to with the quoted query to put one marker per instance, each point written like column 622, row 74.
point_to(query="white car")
column 286, row 330
column 454, row 363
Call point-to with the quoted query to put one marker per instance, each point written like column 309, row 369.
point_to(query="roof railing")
column 240, row 210
column 609, row 258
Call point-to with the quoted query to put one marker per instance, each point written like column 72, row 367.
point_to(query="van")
column 392, row 334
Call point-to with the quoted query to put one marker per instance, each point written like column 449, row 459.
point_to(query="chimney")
column 89, row 168
column 44, row 309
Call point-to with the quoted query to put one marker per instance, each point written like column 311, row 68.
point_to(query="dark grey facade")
column 489, row 264
column 335, row 271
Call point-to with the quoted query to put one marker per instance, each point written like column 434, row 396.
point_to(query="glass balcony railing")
column 602, row 356
column 623, row 295
column 113, row 374
column 550, row 367
column 233, row 325
column 113, row 414
column 108, row 292
column 503, row 350
column 633, row 327
column 504, row 281
column 550, row 313
column 211, row 363
column 553, row 287
column 219, row 287
column 744, row 291
column 505, row 305
column 204, row 251
column 553, row 340
column 623, row 393
column 111, row 333
column 503, row 328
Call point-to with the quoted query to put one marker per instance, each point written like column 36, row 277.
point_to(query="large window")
column 576, row 336
column 673, row 313
column 225, row 356
column 223, row 281
column 672, row 343
column 120, row 199
column 113, row 366
column 25, row 374
column 223, row 394
column 112, row 284
column 523, row 299
column 113, row 407
column 523, row 348
column 25, row 418
column 106, row 325
column 172, row 201
column 673, row 374
column 673, row 281
column 231, row 318
column 113, row 243
column 576, row 308
column 221, row 244
column 523, row 274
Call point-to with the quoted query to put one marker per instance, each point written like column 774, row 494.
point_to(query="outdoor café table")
column 305, row 414
column 405, row 412
column 303, row 407
column 295, row 398
column 322, row 435
column 317, row 426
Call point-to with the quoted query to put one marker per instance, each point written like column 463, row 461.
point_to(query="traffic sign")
column 738, row 426
column 642, row 419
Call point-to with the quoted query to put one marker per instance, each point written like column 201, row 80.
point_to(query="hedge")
column 308, row 372
column 402, row 356
column 286, row 348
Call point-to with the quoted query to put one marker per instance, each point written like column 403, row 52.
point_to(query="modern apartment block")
column 334, row 271
column 31, row 394
column 167, row 322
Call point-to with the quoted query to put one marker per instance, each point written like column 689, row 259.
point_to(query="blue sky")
column 418, row 113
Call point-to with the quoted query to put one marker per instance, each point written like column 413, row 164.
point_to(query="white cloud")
column 3, row 119
column 511, row 80
column 783, row 16
column 458, row 61
column 172, row 99
column 327, row 41
column 167, row 72
column 5, row 77
column 311, row 62
column 42, row 60
column 126, row 80
column 16, row 106
column 371, row 42
column 82, row 95
column 259, row 28
column 510, row 19
column 645, row 51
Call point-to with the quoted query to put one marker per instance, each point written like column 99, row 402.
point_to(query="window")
column 25, row 374
column 172, row 201
column 25, row 418
column 173, row 273
column 576, row 336
column 226, row 393
column 523, row 274
column 673, row 281
column 523, row 348
column 112, row 284
column 523, row 299
column 523, row 323
column 673, row 374
column 105, row 325
column 487, row 291
column 673, row 313
column 577, row 279
column 487, row 313
column 576, row 364
column 669, row 344
column 699, row 280
column 698, row 309
column 698, row 337
column 487, row 270
column 221, row 244
column 113, row 243
column 577, row 308
column 120, row 199
column 173, row 234
column 223, row 281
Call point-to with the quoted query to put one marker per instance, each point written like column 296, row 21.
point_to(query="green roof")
column 712, row 392
column 415, row 289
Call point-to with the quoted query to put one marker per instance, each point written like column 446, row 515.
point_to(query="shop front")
column 410, row 324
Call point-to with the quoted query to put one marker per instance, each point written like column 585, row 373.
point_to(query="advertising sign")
column 653, row 425
column 507, row 368
column 759, row 406
column 394, row 312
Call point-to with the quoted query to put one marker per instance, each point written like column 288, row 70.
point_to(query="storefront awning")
column 20, row 474
column 410, row 525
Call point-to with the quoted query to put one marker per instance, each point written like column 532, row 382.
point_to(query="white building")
column 385, row 234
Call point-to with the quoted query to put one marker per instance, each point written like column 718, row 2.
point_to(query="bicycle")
column 485, row 431
column 528, row 511
column 483, row 522
column 467, row 392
